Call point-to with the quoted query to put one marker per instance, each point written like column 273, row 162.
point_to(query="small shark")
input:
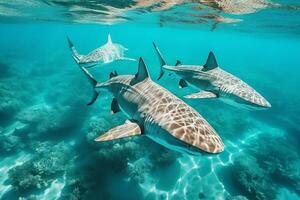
column 107, row 53
column 156, row 113
column 214, row 82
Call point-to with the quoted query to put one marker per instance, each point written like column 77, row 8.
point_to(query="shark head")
column 246, row 95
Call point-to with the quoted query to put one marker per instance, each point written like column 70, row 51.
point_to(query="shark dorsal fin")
column 178, row 62
column 109, row 39
column 113, row 74
column 142, row 73
column 211, row 62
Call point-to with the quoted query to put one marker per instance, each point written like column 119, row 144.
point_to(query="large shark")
column 214, row 82
column 156, row 113
column 107, row 53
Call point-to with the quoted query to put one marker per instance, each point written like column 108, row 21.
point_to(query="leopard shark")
column 106, row 53
column 156, row 113
column 214, row 82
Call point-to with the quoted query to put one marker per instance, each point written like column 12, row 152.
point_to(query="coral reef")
column 74, row 190
column 118, row 153
column 164, row 157
column 37, row 173
column 239, row 197
column 265, row 166
column 45, row 118
column 11, row 98
column 253, row 180
column 280, row 161
column 139, row 169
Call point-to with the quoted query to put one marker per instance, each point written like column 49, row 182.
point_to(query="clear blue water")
column 47, row 148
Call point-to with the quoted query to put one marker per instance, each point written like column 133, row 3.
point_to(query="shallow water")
column 47, row 148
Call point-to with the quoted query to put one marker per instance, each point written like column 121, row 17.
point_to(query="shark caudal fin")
column 161, row 60
column 211, row 62
column 93, row 82
column 74, row 52
column 109, row 41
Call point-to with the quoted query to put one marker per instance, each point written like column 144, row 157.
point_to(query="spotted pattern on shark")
column 179, row 119
column 210, row 78
column 161, row 116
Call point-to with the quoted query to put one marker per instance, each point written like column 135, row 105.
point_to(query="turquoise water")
column 47, row 148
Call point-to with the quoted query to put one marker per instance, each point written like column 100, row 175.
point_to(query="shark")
column 156, row 113
column 213, row 82
column 106, row 53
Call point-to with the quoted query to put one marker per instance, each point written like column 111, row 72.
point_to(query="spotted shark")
column 214, row 82
column 156, row 113
column 106, row 53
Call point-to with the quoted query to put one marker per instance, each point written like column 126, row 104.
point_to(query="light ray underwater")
column 133, row 100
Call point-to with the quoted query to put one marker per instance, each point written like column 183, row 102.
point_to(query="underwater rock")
column 37, row 173
column 201, row 195
column 286, row 194
column 10, row 143
column 139, row 169
column 252, row 179
column 41, row 118
column 4, row 68
column 9, row 104
column 15, row 94
column 117, row 153
column 280, row 162
column 164, row 157
column 74, row 190
column 239, row 197
column 44, row 118
column 10, row 140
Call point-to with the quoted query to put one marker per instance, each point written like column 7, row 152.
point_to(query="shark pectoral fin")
column 114, row 106
column 126, row 130
column 94, row 98
column 126, row 58
column 201, row 95
column 182, row 83
column 89, row 65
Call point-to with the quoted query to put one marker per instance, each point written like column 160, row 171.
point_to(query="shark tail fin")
column 109, row 41
column 74, row 52
column 93, row 82
column 161, row 60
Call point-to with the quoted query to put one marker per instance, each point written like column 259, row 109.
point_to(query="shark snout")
column 250, row 97
column 258, row 100
column 211, row 143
